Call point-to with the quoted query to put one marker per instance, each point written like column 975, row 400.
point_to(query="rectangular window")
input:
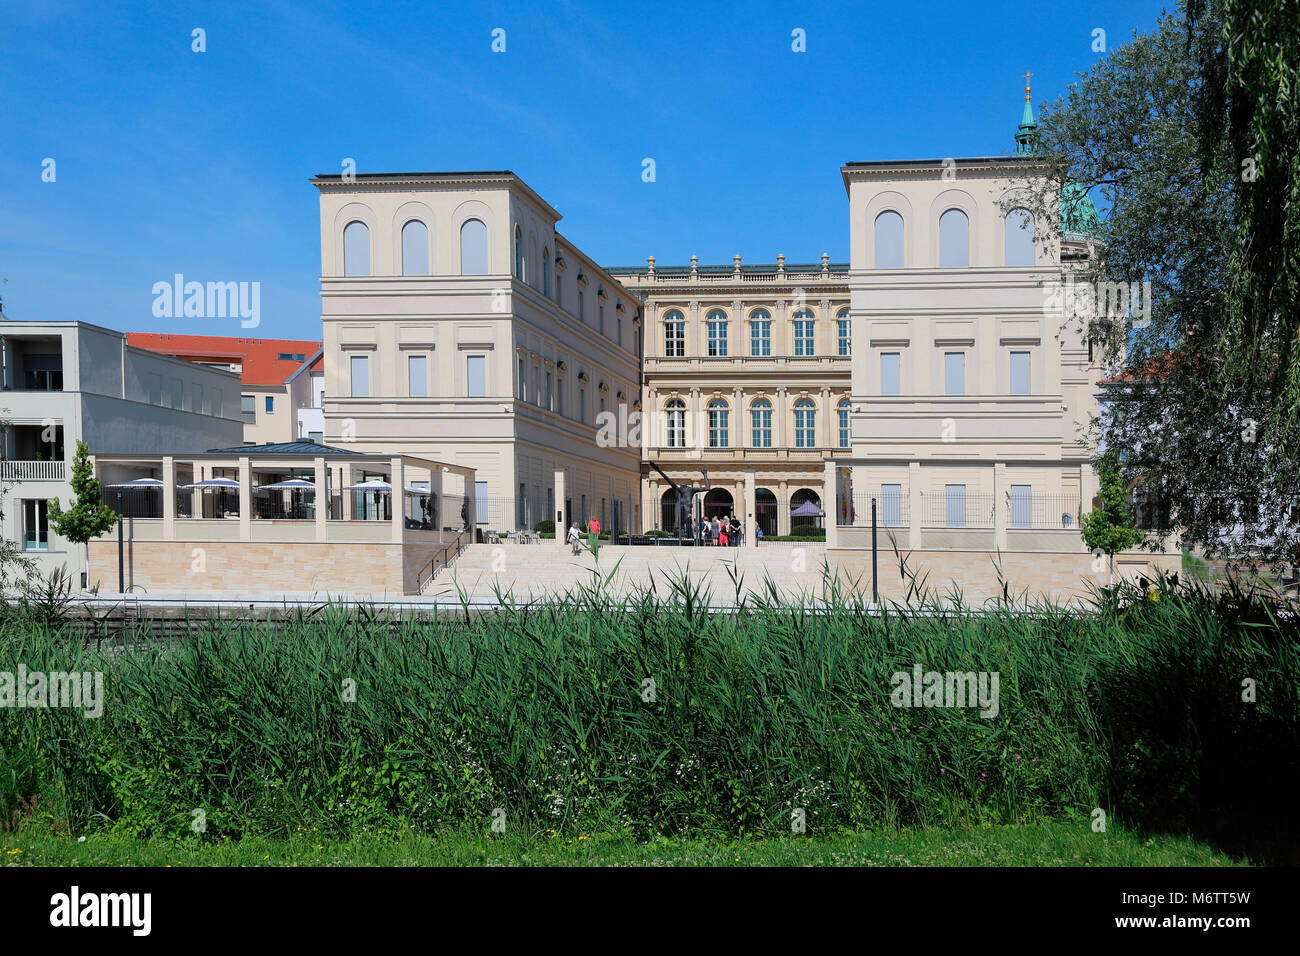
column 717, row 329
column 674, row 339
column 954, row 506
column 316, row 437
column 476, row 376
column 248, row 407
column 954, row 373
column 582, row 405
column 803, row 337
column 270, row 405
column 1019, row 373
column 760, row 337
column 559, row 399
column 845, row 435
column 417, row 373
column 760, row 419
column 523, row 505
column 620, row 331
column 360, row 376
column 889, row 373
column 600, row 318
column 891, row 506
column 843, row 338
column 549, row 406
column 36, row 528
column 718, row 425
column 480, row 502
column 1021, row 506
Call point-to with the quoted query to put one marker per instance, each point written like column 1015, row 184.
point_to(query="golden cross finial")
column 1027, row 76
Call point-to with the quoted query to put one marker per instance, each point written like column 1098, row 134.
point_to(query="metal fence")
column 1040, row 512
column 893, row 507
column 956, row 509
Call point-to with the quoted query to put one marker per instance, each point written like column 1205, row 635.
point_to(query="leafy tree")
column 1112, row 527
column 87, row 516
column 1205, row 373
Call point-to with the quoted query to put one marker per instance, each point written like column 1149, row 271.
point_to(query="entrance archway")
column 718, row 503
column 802, row 497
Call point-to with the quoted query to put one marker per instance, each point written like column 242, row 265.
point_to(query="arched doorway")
column 668, row 511
column 718, row 503
column 765, row 511
column 805, row 499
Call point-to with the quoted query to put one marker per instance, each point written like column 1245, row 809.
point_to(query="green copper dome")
column 1079, row 215
column 1025, row 132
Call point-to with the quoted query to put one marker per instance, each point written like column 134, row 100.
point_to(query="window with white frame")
column 843, row 410
column 417, row 374
column 719, row 414
column 716, row 326
column 843, row 333
column 760, row 333
column 675, row 421
column 890, row 363
column 674, row 335
column 360, row 367
column 954, row 373
column 804, row 332
column 760, row 423
column 805, row 424
column 1019, row 373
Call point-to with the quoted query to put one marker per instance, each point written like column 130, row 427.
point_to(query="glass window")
column 480, row 502
column 360, row 366
column 718, row 424
column 843, row 410
column 843, row 333
column 270, row 405
column 954, row 373
column 546, row 271
column 519, row 253
column 805, row 424
column 417, row 375
column 954, row 506
column 954, row 240
column 476, row 376
column 760, row 334
column 889, row 373
column 803, row 333
column 676, row 422
column 889, row 240
column 473, row 248
column 760, row 423
column 674, row 335
column 1019, row 373
column 415, row 249
column 716, row 324
column 356, row 249
column 248, row 407
column 1019, row 238
column 36, row 527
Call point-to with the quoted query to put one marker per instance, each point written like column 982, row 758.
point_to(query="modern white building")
column 65, row 382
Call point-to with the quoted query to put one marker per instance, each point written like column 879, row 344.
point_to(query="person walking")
column 575, row 537
column 593, row 535
column 734, row 537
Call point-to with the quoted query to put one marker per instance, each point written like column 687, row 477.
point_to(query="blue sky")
column 173, row 161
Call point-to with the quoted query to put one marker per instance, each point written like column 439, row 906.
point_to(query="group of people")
column 723, row 532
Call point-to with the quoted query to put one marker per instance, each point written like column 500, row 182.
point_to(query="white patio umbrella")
column 374, row 484
column 291, row 484
column 228, row 484
column 137, row 483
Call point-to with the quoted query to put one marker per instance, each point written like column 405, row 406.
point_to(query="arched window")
column 676, row 422
column 760, row 333
column 843, row 409
column 843, row 333
column 415, row 249
column 356, row 249
column 1019, row 238
column 546, row 271
column 519, row 253
column 954, row 240
column 805, row 424
column 719, row 414
column 889, row 240
column 804, row 337
column 473, row 248
column 760, row 423
column 716, row 325
column 674, row 335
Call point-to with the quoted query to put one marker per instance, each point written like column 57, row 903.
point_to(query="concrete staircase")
column 531, row 571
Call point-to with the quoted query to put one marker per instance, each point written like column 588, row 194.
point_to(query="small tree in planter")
column 1111, row 527
column 87, row 516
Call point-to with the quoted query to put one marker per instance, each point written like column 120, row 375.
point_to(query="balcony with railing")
column 36, row 470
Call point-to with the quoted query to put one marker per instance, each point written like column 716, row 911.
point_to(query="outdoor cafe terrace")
column 289, row 491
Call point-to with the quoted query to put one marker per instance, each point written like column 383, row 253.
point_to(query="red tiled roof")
column 258, row 359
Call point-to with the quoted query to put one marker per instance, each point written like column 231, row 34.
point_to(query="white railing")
column 31, row 470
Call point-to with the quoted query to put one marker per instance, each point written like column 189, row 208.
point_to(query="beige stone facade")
column 746, row 369
column 460, row 325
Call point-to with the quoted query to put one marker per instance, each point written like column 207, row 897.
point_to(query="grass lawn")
column 1052, row 844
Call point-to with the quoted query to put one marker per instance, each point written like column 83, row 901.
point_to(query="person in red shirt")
column 593, row 534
